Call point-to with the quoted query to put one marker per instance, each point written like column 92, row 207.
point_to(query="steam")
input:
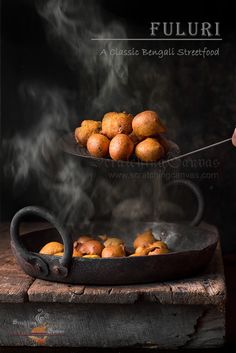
column 73, row 24
column 37, row 154
column 28, row 150
column 107, row 83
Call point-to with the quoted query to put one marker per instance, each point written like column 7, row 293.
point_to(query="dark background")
column 202, row 93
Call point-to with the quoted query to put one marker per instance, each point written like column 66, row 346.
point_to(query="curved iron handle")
column 196, row 190
column 35, row 260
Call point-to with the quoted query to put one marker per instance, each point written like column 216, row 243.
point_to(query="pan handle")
column 198, row 194
column 35, row 261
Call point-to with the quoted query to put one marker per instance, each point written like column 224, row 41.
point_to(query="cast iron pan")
column 192, row 249
column 68, row 144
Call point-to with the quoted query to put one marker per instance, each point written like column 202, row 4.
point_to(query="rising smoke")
column 103, row 78
column 103, row 81
column 106, row 83
column 37, row 155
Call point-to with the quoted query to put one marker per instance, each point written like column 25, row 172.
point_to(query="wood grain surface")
column 179, row 314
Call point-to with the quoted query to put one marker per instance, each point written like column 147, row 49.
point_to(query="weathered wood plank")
column 101, row 316
column 106, row 325
column 25, row 227
column 208, row 288
column 209, row 330
column 14, row 283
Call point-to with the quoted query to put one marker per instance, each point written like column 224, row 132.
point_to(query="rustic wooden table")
column 178, row 314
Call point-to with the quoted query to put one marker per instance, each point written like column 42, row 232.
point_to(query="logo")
column 39, row 329
column 188, row 30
